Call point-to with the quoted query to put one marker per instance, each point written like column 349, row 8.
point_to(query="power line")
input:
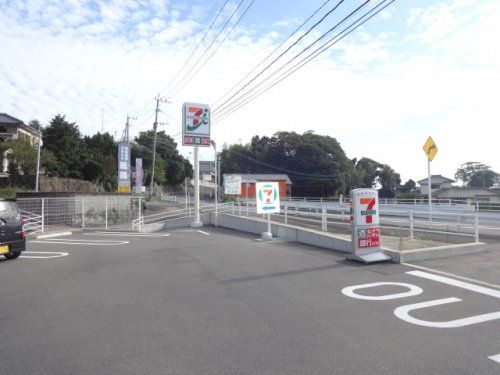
column 228, row 110
column 272, row 52
column 282, row 54
column 216, row 48
column 209, row 46
column 196, row 47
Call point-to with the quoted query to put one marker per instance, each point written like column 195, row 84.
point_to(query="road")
column 220, row 302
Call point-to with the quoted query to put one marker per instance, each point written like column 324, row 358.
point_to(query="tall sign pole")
column 430, row 149
column 196, row 132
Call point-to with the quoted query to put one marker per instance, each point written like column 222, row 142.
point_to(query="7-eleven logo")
column 369, row 211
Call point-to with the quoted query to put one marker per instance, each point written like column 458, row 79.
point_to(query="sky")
column 418, row 68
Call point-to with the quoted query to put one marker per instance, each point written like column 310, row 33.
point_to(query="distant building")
column 11, row 129
column 249, row 180
column 442, row 188
column 437, row 182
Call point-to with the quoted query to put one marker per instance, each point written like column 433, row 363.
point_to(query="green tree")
column 22, row 156
column 101, row 160
column 372, row 174
column 64, row 140
column 316, row 164
column 475, row 174
column 170, row 167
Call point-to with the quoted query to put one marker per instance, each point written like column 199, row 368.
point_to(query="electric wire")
column 196, row 47
column 215, row 49
column 228, row 111
column 208, row 48
column 271, row 53
column 283, row 53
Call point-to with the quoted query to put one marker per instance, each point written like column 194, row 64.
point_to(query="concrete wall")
column 284, row 231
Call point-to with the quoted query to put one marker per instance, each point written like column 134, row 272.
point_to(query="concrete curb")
column 332, row 242
column 52, row 235
column 428, row 253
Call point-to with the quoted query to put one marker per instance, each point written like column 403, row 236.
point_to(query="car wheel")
column 13, row 255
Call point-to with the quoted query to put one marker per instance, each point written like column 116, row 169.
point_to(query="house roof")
column 464, row 192
column 259, row 177
column 435, row 178
column 8, row 119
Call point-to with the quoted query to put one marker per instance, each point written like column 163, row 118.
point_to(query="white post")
column 429, row 186
column 140, row 213
column 37, row 182
column 83, row 213
column 216, row 181
column 233, row 206
column 269, row 223
column 43, row 215
column 286, row 214
column 476, row 227
column 186, row 195
column 323, row 219
column 411, row 224
column 196, row 223
column 106, row 212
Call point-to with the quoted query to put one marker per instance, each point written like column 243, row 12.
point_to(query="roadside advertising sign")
column 267, row 197
column 139, row 174
column 232, row 184
column 123, row 167
column 195, row 124
column 365, row 233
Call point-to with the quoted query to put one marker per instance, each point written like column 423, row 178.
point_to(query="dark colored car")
column 12, row 236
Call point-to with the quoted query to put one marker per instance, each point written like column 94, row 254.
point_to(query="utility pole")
column 102, row 120
column 155, row 128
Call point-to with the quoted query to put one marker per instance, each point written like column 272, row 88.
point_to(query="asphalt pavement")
column 220, row 302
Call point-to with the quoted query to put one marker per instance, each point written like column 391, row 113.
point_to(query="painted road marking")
column 495, row 358
column 82, row 242
column 402, row 313
column 43, row 254
column 195, row 230
column 413, row 291
column 127, row 234
column 452, row 275
column 457, row 283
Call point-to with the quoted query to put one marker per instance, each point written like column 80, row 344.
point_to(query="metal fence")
column 46, row 214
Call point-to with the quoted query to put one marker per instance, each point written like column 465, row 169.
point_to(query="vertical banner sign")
column 195, row 124
column 123, row 167
column 365, row 226
column 267, row 197
column 139, row 174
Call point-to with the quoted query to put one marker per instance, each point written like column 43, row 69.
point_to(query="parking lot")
column 220, row 302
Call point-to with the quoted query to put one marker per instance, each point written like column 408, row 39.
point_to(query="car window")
column 8, row 210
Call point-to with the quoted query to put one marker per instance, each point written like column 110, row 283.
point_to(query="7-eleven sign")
column 366, row 210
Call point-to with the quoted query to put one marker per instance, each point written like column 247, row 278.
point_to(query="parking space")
column 214, row 301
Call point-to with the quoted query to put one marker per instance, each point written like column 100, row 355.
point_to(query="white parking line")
column 82, row 242
column 54, row 254
column 195, row 230
column 495, row 358
column 452, row 275
column 127, row 234
column 457, row 283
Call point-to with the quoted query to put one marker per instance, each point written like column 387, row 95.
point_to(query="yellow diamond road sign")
column 430, row 148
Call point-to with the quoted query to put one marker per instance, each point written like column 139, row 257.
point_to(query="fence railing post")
column 323, row 219
column 233, row 207
column 411, row 224
column 140, row 213
column 286, row 214
column 43, row 215
column 476, row 227
column 106, row 213
column 83, row 213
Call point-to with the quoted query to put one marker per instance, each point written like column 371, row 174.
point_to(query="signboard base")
column 369, row 258
column 267, row 236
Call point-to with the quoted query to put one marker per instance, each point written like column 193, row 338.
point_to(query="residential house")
column 249, row 180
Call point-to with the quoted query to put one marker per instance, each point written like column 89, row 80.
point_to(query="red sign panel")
column 368, row 237
column 368, row 242
column 196, row 141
